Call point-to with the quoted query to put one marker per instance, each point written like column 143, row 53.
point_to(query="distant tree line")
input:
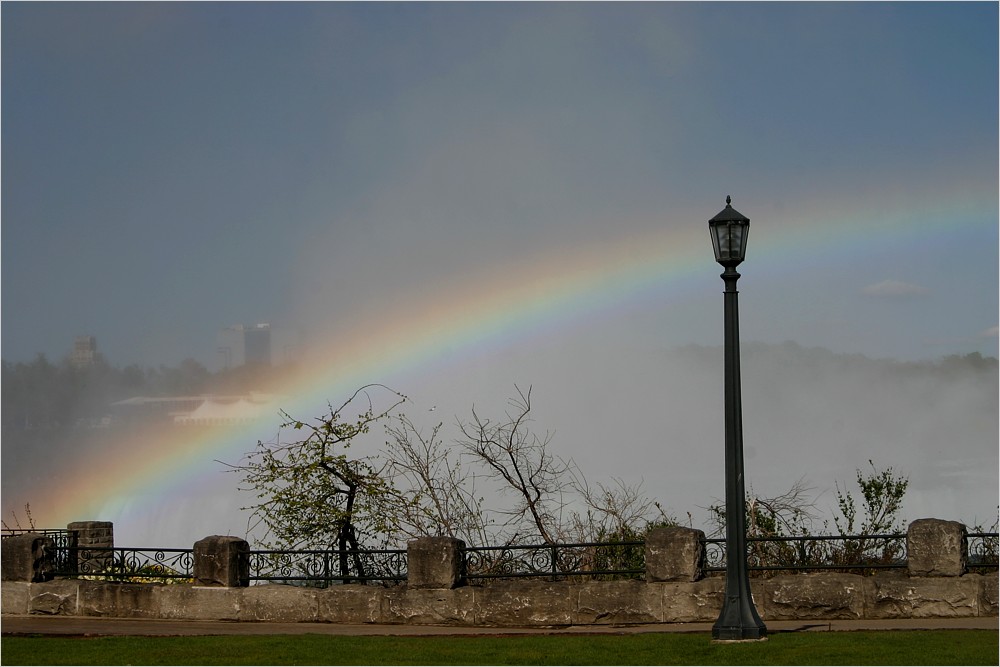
column 44, row 395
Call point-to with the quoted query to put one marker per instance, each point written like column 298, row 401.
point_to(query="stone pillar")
column 674, row 553
column 93, row 542
column 221, row 560
column 936, row 548
column 435, row 562
column 27, row 557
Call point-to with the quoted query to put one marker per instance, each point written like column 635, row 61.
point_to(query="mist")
column 810, row 415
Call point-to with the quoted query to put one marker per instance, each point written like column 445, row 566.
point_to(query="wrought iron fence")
column 983, row 551
column 323, row 567
column 858, row 554
column 596, row 560
column 863, row 554
column 131, row 565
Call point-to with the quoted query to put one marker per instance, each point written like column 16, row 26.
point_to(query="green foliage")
column 311, row 493
column 792, row 515
column 882, row 493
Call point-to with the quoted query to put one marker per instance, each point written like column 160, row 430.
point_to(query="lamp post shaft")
column 739, row 619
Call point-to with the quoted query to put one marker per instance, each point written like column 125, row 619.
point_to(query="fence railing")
column 585, row 559
column 858, row 554
column 983, row 551
column 133, row 564
column 324, row 567
column 862, row 554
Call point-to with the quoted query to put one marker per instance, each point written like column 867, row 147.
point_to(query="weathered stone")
column 689, row 602
column 199, row 603
column 675, row 553
column 434, row 562
column 801, row 596
column 351, row 603
column 422, row 606
column 536, row 603
column 14, row 596
column 221, row 560
column 988, row 584
column 55, row 597
column 119, row 600
column 924, row 597
column 936, row 548
column 94, row 542
column 616, row 602
column 279, row 603
column 27, row 557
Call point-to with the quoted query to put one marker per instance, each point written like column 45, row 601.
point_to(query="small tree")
column 882, row 494
column 436, row 490
column 523, row 465
column 311, row 493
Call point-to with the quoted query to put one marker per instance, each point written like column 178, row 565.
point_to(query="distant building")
column 84, row 352
column 257, row 345
column 246, row 344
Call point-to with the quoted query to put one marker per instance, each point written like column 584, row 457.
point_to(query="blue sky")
column 171, row 169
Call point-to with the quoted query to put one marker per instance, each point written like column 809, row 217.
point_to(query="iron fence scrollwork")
column 982, row 551
column 323, row 567
column 859, row 554
column 130, row 565
column 596, row 560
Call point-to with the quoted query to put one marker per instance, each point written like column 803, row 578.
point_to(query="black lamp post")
column 738, row 619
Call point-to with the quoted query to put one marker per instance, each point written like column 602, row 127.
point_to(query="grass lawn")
column 925, row 647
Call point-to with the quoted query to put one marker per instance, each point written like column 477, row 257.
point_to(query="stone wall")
column 675, row 591
column 517, row 603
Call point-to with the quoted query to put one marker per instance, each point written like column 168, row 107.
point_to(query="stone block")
column 988, row 584
column 531, row 603
column 809, row 596
column 119, row 600
column 423, row 606
column 924, row 597
column 675, row 553
column 221, row 560
column 27, row 557
column 434, row 562
column 936, row 548
column 14, row 597
column 350, row 603
column 59, row 597
column 199, row 603
column 94, row 542
column 616, row 602
column 279, row 603
column 93, row 533
column 690, row 602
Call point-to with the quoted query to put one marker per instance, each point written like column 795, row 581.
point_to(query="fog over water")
column 809, row 414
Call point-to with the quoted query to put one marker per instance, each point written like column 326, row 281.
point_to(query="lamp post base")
column 739, row 633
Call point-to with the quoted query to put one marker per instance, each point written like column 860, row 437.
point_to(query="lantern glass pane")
column 732, row 241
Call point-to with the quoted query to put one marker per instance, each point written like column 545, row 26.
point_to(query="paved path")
column 92, row 626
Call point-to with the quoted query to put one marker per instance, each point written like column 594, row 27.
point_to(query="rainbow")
column 490, row 310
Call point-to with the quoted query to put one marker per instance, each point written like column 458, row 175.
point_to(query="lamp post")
column 739, row 619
